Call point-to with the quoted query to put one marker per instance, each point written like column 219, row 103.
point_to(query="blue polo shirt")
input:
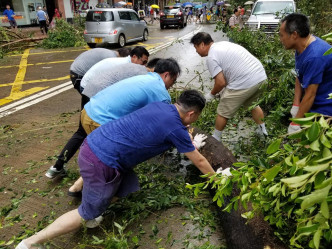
column 41, row 15
column 126, row 96
column 143, row 134
column 9, row 14
column 312, row 67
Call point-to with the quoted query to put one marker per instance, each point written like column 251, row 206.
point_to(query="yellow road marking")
column 37, row 81
column 59, row 51
column 39, row 63
column 16, row 92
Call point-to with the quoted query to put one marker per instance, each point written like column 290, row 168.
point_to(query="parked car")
column 266, row 14
column 114, row 25
column 173, row 15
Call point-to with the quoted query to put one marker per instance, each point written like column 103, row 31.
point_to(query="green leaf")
column 288, row 147
column 302, row 121
column 270, row 174
column 325, row 141
column 327, row 152
column 315, row 145
column 313, row 131
column 320, row 177
column 324, row 208
column 317, row 237
column 288, row 161
column 273, row 147
column 315, row 197
column 309, row 228
column 323, row 122
column 302, row 162
column 296, row 179
column 317, row 168
column 328, row 52
column 324, row 159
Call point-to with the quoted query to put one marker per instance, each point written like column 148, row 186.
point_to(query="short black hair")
column 124, row 52
column 191, row 99
column 168, row 65
column 236, row 10
column 139, row 51
column 201, row 37
column 152, row 63
column 297, row 22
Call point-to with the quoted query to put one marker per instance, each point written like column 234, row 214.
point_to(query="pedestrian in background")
column 11, row 17
column 234, row 20
column 238, row 76
column 313, row 83
column 43, row 19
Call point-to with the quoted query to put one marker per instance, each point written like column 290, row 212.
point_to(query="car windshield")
column 171, row 10
column 284, row 7
column 99, row 16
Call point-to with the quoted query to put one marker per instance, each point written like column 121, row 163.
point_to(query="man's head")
column 124, row 52
column 169, row 70
column 139, row 55
column 152, row 63
column 202, row 42
column 237, row 11
column 7, row 6
column 190, row 105
column 294, row 27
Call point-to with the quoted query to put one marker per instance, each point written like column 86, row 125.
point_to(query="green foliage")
column 290, row 184
column 64, row 35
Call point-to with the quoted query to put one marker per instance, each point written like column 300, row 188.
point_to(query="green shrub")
column 64, row 35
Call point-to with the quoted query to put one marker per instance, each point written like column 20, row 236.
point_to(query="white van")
column 266, row 14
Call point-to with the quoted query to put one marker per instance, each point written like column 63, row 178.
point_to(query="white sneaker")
column 259, row 131
column 93, row 223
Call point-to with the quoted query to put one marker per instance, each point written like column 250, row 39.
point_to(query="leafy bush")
column 290, row 184
column 64, row 35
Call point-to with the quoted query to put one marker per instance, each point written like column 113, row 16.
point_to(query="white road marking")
column 38, row 97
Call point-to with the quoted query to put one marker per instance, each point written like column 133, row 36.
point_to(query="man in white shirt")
column 238, row 76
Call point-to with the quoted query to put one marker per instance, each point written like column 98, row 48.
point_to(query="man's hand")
column 293, row 128
column 209, row 97
column 199, row 141
column 294, row 110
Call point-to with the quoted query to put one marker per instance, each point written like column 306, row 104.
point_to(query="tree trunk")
column 240, row 233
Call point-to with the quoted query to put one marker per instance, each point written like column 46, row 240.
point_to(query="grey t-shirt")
column 111, row 76
column 87, row 59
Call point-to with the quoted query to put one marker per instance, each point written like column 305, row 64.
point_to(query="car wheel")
column 92, row 45
column 145, row 35
column 122, row 41
column 162, row 26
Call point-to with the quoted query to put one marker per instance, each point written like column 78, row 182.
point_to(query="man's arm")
column 297, row 93
column 200, row 162
column 219, row 83
column 308, row 100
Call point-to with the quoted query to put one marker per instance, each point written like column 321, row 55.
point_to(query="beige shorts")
column 88, row 124
column 231, row 100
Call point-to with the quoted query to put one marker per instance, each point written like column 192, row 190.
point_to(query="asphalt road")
column 39, row 112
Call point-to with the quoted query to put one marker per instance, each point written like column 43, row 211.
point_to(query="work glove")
column 199, row 141
column 225, row 172
column 294, row 110
column 209, row 97
column 292, row 128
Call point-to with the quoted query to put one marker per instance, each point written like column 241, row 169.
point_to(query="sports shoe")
column 259, row 131
column 22, row 245
column 94, row 223
column 53, row 172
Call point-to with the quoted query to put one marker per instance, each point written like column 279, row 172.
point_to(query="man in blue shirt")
column 127, row 96
column 43, row 19
column 10, row 15
column 313, row 68
column 113, row 149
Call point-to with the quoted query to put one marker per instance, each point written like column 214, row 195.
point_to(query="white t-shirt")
column 101, row 67
column 241, row 69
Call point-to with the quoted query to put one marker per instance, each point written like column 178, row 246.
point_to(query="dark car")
column 173, row 15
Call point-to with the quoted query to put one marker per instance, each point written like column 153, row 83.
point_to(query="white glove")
column 294, row 110
column 293, row 128
column 199, row 141
column 225, row 172
column 209, row 97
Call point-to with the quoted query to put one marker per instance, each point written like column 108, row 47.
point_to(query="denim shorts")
column 101, row 183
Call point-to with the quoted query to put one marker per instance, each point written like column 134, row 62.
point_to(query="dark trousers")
column 77, row 139
column 43, row 26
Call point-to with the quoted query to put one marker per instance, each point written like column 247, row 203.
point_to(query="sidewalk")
column 32, row 31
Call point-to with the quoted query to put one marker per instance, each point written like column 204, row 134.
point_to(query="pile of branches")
column 11, row 41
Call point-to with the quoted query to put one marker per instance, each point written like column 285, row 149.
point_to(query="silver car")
column 114, row 25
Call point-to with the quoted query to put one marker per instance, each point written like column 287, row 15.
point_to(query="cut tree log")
column 240, row 233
